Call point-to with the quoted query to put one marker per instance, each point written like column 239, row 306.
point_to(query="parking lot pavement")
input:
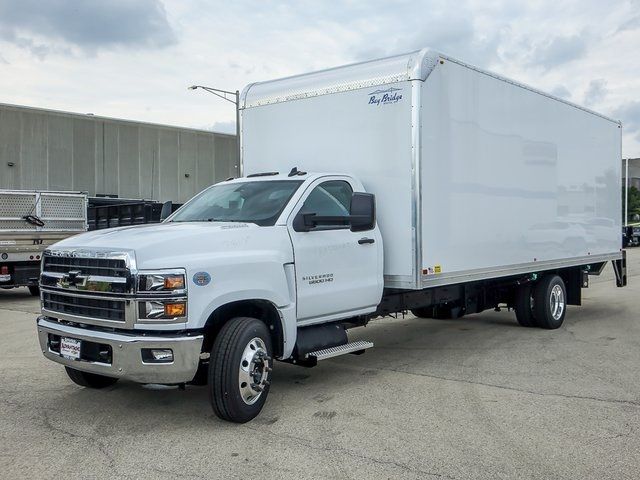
column 477, row 397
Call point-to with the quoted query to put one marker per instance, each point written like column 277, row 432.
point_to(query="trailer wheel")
column 524, row 306
column 239, row 369
column 34, row 290
column 550, row 304
column 89, row 380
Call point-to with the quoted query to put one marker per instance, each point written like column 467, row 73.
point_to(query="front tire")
column 34, row 290
column 89, row 380
column 239, row 369
column 550, row 306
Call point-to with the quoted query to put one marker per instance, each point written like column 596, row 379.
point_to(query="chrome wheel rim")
column 254, row 371
column 557, row 302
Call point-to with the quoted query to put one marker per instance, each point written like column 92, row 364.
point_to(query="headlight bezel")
column 154, row 297
column 148, row 282
column 155, row 310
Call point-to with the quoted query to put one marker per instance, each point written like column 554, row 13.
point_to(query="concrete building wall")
column 45, row 149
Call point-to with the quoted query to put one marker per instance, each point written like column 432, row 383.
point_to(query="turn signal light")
column 174, row 282
column 175, row 309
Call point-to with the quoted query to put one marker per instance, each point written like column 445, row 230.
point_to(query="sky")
column 134, row 59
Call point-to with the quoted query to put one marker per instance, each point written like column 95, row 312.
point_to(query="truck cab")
column 274, row 252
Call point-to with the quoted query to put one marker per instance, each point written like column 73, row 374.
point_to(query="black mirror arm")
column 311, row 219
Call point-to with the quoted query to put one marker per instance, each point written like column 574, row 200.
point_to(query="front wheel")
column 550, row 306
column 89, row 380
column 34, row 290
column 239, row 369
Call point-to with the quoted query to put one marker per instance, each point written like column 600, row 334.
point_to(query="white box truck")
column 414, row 182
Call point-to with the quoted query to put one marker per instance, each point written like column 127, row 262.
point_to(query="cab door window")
column 329, row 199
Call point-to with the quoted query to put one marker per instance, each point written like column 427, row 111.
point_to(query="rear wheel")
column 239, row 369
column 524, row 305
column 550, row 306
column 34, row 290
column 89, row 380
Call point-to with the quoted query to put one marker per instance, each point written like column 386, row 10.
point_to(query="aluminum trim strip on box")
column 437, row 280
column 416, row 180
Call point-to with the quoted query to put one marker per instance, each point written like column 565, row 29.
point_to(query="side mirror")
column 166, row 210
column 299, row 225
column 363, row 212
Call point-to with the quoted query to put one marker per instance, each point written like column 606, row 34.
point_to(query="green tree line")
column 634, row 203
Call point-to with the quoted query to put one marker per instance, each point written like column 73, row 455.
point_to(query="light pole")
column 626, row 193
column 235, row 99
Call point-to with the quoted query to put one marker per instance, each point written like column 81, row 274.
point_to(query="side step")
column 354, row 347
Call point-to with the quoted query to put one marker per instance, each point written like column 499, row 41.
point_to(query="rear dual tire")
column 524, row 306
column 542, row 305
column 550, row 305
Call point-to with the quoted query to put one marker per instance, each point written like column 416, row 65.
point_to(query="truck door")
column 338, row 272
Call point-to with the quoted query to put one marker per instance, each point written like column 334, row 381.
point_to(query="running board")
column 354, row 347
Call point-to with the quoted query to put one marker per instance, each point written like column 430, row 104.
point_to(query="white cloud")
column 53, row 60
column 630, row 115
column 225, row 127
column 596, row 92
column 559, row 51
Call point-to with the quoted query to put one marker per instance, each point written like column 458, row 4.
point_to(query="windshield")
column 253, row 202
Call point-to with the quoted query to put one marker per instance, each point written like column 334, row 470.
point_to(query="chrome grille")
column 105, row 267
column 83, row 306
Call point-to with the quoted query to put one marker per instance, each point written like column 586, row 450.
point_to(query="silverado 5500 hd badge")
column 385, row 97
column 315, row 279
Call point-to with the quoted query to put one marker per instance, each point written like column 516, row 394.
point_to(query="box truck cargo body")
column 412, row 183
column 475, row 176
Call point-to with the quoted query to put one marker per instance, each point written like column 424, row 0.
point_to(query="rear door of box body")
column 511, row 177
column 364, row 132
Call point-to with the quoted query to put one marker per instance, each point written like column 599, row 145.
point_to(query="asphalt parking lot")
column 477, row 397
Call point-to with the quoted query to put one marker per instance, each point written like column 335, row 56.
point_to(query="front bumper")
column 126, row 353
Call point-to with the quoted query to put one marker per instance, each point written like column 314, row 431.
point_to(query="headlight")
column 162, row 295
column 162, row 309
column 161, row 282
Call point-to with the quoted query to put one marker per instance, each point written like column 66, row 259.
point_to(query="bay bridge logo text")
column 385, row 97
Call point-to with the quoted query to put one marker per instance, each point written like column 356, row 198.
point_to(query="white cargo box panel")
column 475, row 176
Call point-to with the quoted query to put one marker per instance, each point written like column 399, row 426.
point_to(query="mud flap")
column 620, row 269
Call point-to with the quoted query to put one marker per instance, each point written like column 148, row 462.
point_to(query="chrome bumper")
column 126, row 353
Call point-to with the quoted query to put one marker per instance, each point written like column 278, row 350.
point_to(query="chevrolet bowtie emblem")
column 73, row 279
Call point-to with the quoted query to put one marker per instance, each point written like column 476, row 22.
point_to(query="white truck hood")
column 183, row 244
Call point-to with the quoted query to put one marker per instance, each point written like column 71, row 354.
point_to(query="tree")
column 634, row 202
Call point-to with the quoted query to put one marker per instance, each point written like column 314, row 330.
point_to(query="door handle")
column 363, row 241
